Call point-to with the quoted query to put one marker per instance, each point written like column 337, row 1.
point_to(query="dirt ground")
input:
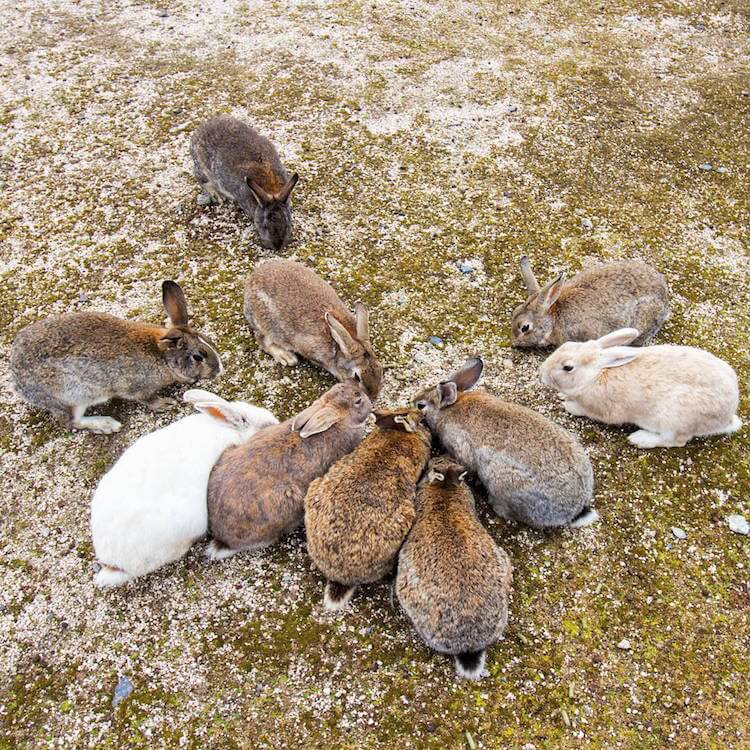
column 436, row 142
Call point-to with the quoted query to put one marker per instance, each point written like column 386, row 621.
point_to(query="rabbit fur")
column 150, row 507
column 673, row 393
column 291, row 309
column 256, row 491
column 358, row 514
column 66, row 364
column 534, row 471
column 592, row 303
column 233, row 161
column 453, row 581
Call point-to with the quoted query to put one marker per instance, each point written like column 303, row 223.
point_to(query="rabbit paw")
column 218, row 551
column 98, row 425
column 282, row 356
column 204, row 199
column 108, row 577
column 160, row 404
column 572, row 407
column 646, row 439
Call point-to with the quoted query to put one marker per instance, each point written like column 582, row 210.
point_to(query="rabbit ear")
column 223, row 412
column 532, row 285
column 198, row 395
column 319, row 420
column 171, row 339
column 341, row 336
column 615, row 356
column 550, row 294
column 621, row 337
column 286, row 191
column 467, row 376
column 362, row 317
column 261, row 196
column 174, row 303
column 448, row 393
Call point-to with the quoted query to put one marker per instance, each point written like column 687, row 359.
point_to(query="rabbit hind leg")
column 98, row 425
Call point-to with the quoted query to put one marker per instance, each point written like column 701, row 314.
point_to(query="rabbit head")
column 273, row 216
column 574, row 366
column 345, row 404
column 246, row 419
column 355, row 356
column 189, row 355
column 446, row 470
column 431, row 400
column 533, row 321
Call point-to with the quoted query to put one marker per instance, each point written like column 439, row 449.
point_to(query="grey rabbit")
column 233, row 161
column 534, row 471
column 67, row 363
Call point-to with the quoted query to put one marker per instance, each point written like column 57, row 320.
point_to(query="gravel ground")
column 430, row 138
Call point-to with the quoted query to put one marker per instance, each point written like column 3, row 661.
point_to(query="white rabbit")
column 673, row 393
column 151, row 505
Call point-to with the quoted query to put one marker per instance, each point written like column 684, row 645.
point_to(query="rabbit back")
column 358, row 515
column 150, row 507
column 287, row 302
column 87, row 358
column 227, row 151
column 453, row 581
column 534, row 471
column 626, row 294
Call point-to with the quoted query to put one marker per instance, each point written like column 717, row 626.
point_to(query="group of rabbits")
column 370, row 503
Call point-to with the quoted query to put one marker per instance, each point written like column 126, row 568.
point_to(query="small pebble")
column 83, row 297
column 512, row 108
column 679, row 533
column 123, row 690
column 738, row 524
column 706, row 167
column 722, row 170
column 624, row 645
column 203, row 199
column 287, row 579
column 465, row 268
column 437, row 342
column 586, row 223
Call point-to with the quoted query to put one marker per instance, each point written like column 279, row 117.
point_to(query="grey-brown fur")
column 453, row 581
column 68, row 363
column 291, row 309
column 358, row 514
column 233, row 161
column 256, row 490
column 626, row 294
column 534, row 471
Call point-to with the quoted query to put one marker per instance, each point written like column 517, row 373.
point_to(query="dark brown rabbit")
column 358, row 514
column 68, row 363
column 233, row 161
column 453, row 580
column 256, row 490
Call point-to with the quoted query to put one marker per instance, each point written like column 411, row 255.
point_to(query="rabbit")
column 232, row 160
column 534, row 472
column 673, row 393
column 593, row 302
column 453, row 581
column 358, row 514
column 256, row 491
column 150, row 507
column 291, row 309
column 66, row 364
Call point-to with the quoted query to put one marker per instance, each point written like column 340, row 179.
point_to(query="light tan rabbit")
column 592, row 303
column 358, row 514
column 673, row 393
column 291, row 309
column 256, row 490
column 453, row 580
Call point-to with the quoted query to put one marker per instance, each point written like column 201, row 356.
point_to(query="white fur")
column 673, row 393
column 151, row 505
column 473, row 674
column 334, row 605
column 585, row 520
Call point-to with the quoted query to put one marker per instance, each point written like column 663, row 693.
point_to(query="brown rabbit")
column 232, row 160
column 68, row 363
column 626, row 294
column 291, row 309
column 358, row 514
column 256, row 490
column 453, row 580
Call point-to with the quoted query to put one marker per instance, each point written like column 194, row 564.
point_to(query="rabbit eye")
column 567, row 368
column 358, row 401
column 357, row 378
column 198, row 357
column 526, row 327
column 421, row 404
